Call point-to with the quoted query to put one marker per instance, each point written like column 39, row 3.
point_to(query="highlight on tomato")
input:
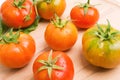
column 47, row 8
column 101, row 46
column 84, row 15
column 16, row 49
column 60, row 34
column 53, row 65
column 18, row 13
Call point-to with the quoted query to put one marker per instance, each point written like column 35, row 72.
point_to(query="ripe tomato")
column 84, row 16
column 16, row 53
column 53, row 66
column 18, row 13
column 47, row 8
column 101, row 46
column 61, row 35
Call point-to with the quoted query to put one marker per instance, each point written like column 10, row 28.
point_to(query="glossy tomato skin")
column 14, row 17
column 61, row 38
column 82, row 20
column 48, row 10
column 105, row 54
column 17, row 55
column 64, row 61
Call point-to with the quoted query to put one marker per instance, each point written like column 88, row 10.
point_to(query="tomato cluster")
column 100, row 42
column 18, row 17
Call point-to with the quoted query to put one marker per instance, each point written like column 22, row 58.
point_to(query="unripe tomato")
column 101, row 46
column 48, row 8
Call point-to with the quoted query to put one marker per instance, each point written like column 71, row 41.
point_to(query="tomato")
column 0, row 13
column 16, row 52
column 61, row 35
column 47, row 8
column 18, row 13
column 53, row 66
column 101, row 46
column 84, row 16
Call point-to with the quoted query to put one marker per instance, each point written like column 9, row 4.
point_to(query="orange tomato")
column 61, row 37
column 17, row 55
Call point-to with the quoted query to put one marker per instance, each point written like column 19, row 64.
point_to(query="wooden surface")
column 109, row 9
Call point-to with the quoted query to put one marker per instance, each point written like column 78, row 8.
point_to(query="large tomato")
column 84, row 16
column 16, row 50
column 53, row 66
column 61, row 35
column 101, row 46
column 48, row 8
column 18, row 13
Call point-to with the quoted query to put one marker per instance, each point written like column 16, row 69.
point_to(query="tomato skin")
column 104, row 54
column 63, row 61
column 15, row 17
column 61, row 39
column 17, row 55
column 48, row 10
column 82, row 20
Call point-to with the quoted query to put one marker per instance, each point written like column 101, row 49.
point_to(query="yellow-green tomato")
column 101, row 46
column 48, row 8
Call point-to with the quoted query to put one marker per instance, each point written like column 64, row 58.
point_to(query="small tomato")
column 84, row 16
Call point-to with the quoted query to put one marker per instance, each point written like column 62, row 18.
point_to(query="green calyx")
column 47, row 1
column 58, row 22
column 50, row 64
column 10, row 37
column 105, row 34
column 85, row 6
column 27, row 17
column 19, row 3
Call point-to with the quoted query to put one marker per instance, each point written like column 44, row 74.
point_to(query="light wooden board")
column 109, row 9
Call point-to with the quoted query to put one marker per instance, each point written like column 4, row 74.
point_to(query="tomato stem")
column 85, row 6
column 88, row 1
column 19, row 3
column 105, row 34
column 10, row 37
column 50, row 64
column 58, row 22
column 35, row 6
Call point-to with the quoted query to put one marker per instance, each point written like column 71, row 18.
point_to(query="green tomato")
column 101, row 46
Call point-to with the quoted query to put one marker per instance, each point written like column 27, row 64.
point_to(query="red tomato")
column 17, row 15
column 53, row 66
column 18, row 53
column 61, row 35
column 84, row 17
column 48, row 8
